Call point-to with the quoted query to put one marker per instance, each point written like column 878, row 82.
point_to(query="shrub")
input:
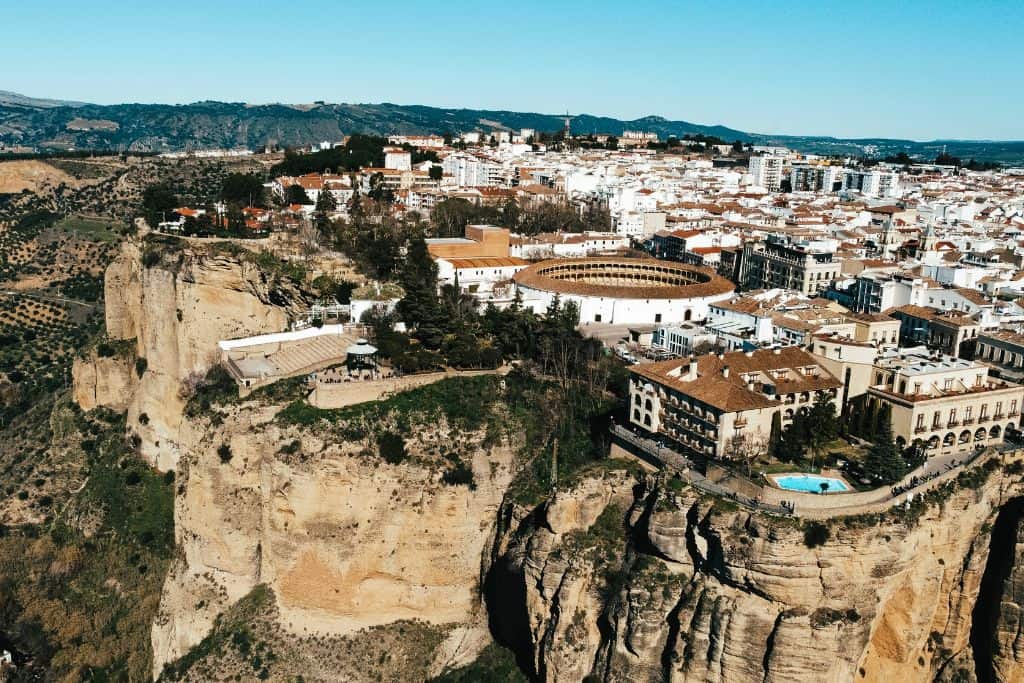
column 143, row 419
column 150, row 257
column 140, row 366
column 105, row 350
column 459, row 475
column 224, row 453
column 815, row 534
column 391, row 447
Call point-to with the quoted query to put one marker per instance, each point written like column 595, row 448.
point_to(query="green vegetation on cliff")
column 78, row 592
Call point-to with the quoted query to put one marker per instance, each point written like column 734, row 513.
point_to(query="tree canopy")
column 243, row 189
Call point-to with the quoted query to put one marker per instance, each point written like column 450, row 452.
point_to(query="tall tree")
column 821, row 425
column 775, row 435
column 419, row 308
column 325, row 206
column 883, row 460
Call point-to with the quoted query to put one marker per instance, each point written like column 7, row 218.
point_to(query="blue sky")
column 901, row 68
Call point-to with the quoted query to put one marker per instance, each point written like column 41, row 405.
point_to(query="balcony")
column 1013, row 413
column 998, row 416
column 740, row 423
column 953, row 423
column 968, row 421
column 920, row 430
column 983, row 418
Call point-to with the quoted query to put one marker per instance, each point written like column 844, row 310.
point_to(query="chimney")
column 725, row 371
column 692, row 374
column 750, row 353
column 777, row 350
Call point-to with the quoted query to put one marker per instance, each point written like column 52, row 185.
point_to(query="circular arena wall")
column 624, row 291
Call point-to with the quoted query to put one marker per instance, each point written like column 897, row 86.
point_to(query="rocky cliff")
column 615, row 576
column 346, row 540
column 693, row 589
column 176, row 304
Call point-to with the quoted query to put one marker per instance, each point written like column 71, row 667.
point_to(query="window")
column 657, row 317
column 936, row 419
column 947, row 384
column 967, row 412
column 952, row 415
column 920, row 422
column 597, row 317
column 1013, row 406
column 917, row 387
column 636, row 399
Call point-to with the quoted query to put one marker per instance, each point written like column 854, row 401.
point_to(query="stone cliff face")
column 997, row 631
column 109, row 382
column 345, row 540
column 695, row 591
column 177, row 308
column 615, row 578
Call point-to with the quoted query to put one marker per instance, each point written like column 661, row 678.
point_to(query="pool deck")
column 825, row 474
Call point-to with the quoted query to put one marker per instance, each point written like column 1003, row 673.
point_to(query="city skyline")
column 916, row 71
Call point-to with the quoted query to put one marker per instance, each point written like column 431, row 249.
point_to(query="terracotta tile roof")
column 870, row 317
column 487, row 262
column 932, row 315
column 672, row 280
column 730, row 394
column 973, row 295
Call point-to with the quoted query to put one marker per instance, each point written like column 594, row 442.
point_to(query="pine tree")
column 775, row 435
column 420, row 307
column 883, row 460
column 821, row 426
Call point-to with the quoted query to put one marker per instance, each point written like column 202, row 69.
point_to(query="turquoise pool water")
column 810, row 483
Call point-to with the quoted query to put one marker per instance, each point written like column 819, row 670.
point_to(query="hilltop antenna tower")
column 568, row 121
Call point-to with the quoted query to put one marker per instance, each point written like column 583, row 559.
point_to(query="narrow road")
column 47, row 297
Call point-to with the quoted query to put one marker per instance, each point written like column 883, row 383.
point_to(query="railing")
column 920, row 430
column 953, row 423
column 983, row 418
column 997, row 416
column 684, row 466
column 968, row 421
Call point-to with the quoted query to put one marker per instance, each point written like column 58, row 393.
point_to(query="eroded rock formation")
column 699, row 591
column 177, row 307
column 615, row 577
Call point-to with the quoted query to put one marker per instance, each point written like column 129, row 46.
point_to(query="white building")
column 808, row 178
column 478, row 276
column 398, row 159
column 766, row 171
column 872, row 183
column 567, row 245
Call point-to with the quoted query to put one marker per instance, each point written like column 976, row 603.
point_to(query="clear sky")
column 859, row 68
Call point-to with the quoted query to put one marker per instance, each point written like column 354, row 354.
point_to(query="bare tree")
column 746, row 448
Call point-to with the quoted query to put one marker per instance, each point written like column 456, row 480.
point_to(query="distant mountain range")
column 48, row 124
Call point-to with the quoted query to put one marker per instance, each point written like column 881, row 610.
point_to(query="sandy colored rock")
column 103, row 382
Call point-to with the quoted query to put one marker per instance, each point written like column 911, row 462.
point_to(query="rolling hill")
column 47, row 124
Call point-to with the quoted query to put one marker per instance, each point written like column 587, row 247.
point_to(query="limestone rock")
column 103, row 382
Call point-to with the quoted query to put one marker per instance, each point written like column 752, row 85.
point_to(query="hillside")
column 152, row 127
column 51, row 124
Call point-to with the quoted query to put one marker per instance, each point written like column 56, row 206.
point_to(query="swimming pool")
column 810, row 483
